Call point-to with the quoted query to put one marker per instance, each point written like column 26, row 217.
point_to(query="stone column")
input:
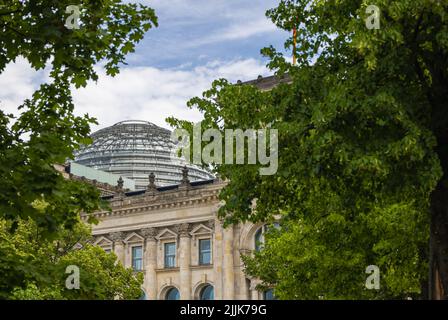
column 127, row 255
column 184, row 261
column 229, row 276
column 254, row 294
column 240, row 276
column 243, row 294
column 217, row 260
column 150, row 262
column 117, row 238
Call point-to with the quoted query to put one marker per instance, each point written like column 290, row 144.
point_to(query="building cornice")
column 153, row 233
column 172, row 199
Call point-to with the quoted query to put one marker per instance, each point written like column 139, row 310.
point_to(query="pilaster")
column 185, row 261
column 150, row 262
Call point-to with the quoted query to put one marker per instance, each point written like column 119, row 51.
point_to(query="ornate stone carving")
column 92, row 239
column 152, row 184
column 120, row 190
column 149, row 233
column 210, row 224
column 120, row 183
column 183, row 229
column 116, row 236
column 160, row 200
column 185, row 182
column 95, row 238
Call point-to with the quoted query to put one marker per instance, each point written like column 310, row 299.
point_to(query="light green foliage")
column 34, row 267
column 358, row 130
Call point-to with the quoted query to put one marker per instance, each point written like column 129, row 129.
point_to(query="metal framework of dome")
column 134, row 149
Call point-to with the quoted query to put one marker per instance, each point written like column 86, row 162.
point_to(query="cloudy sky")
column 196, row 42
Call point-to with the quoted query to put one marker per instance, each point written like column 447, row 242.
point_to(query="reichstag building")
column 163, row 220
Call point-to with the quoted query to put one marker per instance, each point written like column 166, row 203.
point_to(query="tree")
column 37, row 205
column 35, row 268
column 47, row 132
column 362, row 151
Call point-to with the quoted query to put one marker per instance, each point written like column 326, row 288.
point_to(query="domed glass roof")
column 134, row 149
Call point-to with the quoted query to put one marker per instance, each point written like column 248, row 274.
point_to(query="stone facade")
column 183, row 215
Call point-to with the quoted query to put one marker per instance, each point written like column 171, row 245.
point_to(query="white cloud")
column 17, row 82
column 142, row 93
column 220, row 20
column 193, row 9
column 236, row 31
column 248, row 29
column 152, row 94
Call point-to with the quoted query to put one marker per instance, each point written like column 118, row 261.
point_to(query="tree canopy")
column 362, row 131
column 34, row 267
column 39, row 208
column 47, row 132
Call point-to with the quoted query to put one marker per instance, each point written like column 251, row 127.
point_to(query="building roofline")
column 164, row 188
column 267, row 83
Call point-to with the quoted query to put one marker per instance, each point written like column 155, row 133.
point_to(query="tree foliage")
column 361, row 148
column 34, row 267
column 38, row 206
column 47, row 132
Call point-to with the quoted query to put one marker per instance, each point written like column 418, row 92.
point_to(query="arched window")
column 259, row 235
column 259, row 239
column 143, row 296
column 172, row 294
column 269, row 295
column 207, row 293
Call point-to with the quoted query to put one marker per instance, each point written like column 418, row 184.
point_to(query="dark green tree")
column 38, row 206
column 363, row 151
column 47, row 132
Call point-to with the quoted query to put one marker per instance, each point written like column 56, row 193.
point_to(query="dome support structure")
column 135, row 149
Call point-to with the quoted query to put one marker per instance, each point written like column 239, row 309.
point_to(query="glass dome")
column 134, row 149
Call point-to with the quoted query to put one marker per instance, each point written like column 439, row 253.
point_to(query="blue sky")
column 196, row 42
column 192, row 32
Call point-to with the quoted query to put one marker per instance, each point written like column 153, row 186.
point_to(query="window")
column 207, row 293
column 259, row 235
column 137, row 258
column 269, row 295
column 205, row 251
column 170, row 255
column 259, row 239
column 108, row 250
column 143, row 296
column 172, row 294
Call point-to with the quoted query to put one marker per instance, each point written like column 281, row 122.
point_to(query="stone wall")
column 182, row 215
